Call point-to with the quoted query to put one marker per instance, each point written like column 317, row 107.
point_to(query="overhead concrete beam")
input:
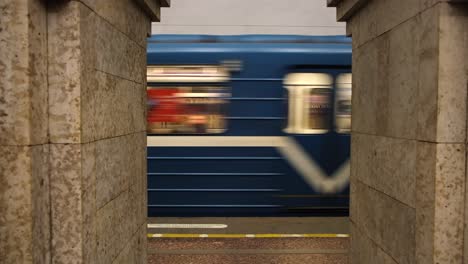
column 346, row 8
column 332, row 3
column 165, row 3
column 152, row 8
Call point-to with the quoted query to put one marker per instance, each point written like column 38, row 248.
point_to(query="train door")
column 187, row 100
column 317, row 148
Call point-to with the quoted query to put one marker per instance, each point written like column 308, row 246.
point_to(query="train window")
column 187, row 74
column 319, row 109
column 182, row 110
column 343, row 85
column 187, row 99
column 310, row 103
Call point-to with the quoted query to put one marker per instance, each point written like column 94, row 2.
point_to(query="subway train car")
column 250, row 125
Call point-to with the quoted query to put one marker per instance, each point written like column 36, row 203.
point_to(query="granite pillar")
column 72, row 130
column 24, row 149
column 409, row 130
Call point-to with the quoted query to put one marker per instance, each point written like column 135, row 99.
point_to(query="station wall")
column 227, row 17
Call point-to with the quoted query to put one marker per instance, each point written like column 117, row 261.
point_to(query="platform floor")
column 255, row 225
column 247, row 250
column 249, row 240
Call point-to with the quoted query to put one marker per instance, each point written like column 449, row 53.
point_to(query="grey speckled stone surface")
column 23, row 73
column 374, row 160
column 24, row 175
column 114, row 107
column 119, row 166
column 72, row 88
column 66, row 190
column 425, row 178
column 364, row 250
column 116, row 228
column 97, row 124
column 91, row 225
column 415, row 60
column 120, row 57
column 135, row 249
column 410, row 77
column 96, row 86
column 373, row 20
column 428, row 65
column 388, row 222
column 65, row 68
column 125, row 15
column 449, row 203
column 400, row 72
column 453, row 78
column 24, row 203
column 440, row 203
column 121, row 209
column 364, row 95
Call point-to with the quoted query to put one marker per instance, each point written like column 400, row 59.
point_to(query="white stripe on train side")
column 297, row 157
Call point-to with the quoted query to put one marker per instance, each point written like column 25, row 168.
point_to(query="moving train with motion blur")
column 249, row 125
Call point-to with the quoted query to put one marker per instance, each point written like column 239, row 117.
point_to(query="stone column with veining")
column 409, row 130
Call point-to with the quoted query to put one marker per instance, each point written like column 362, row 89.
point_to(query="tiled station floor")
column 249, row 240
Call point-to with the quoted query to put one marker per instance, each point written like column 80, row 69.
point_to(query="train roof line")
column 169, row 38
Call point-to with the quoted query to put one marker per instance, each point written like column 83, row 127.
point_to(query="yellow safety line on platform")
column 248, row 235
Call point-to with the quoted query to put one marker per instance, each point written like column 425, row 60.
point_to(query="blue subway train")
column 249, row 125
